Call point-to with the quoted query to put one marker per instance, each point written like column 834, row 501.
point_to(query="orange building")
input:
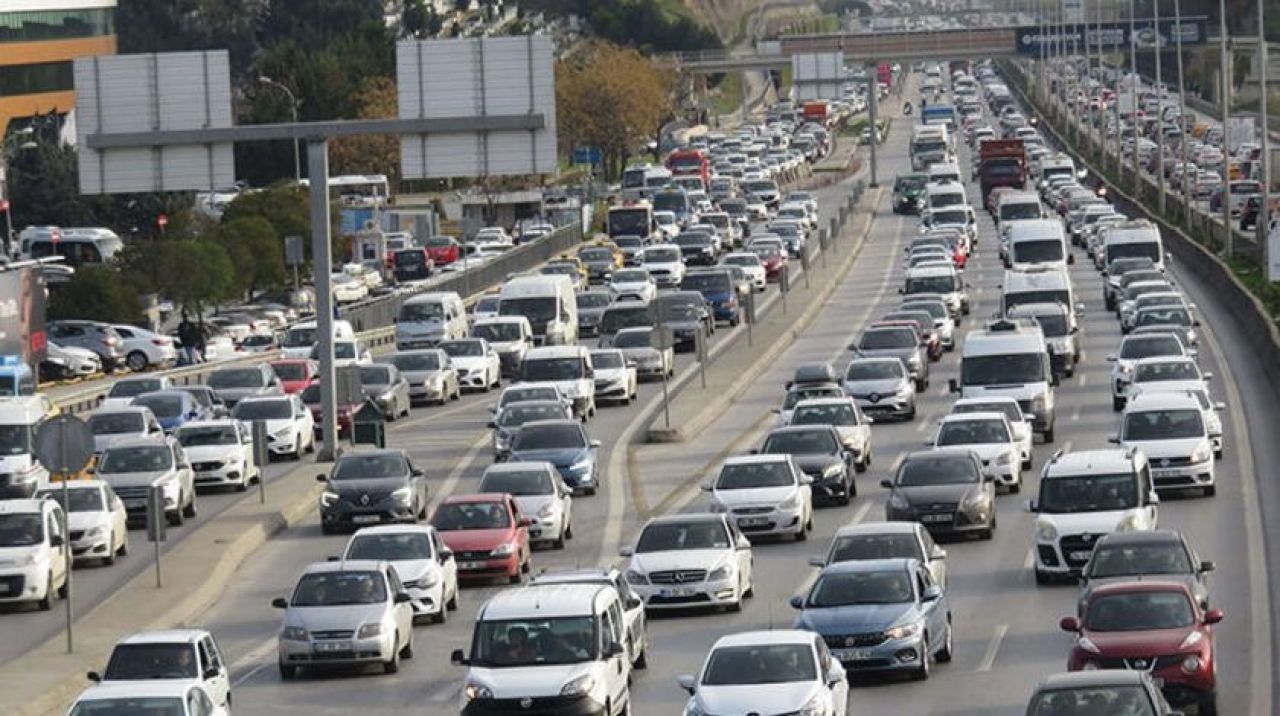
column 38, row 41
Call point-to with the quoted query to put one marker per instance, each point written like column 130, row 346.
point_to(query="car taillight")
column 161, row 341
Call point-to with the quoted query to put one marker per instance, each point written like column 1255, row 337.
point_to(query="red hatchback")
column 310, row 396
column 443, row 250
column 295, row 374
column 773, row 256
column 1150, row 626
column 487, row 534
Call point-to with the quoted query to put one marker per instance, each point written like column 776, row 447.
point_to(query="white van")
column 569, row 368
column 1139, row 238
column 561, row 646
column 943, row 194
column 1042, row 285
column 548, row 302
column 426, row 319
column 35, row 565
column 301, row 337
column 1018, row 205
column 23, row 474
column 1009, row 357
column 1037, row 243
column 945, row 171
column 77, row 246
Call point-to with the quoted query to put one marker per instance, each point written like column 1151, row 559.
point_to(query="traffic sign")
column 588, row 155
column 162, row 220
column 64, row 445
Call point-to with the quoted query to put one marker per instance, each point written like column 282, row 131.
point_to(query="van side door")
column 617, row 669
column 213, row 672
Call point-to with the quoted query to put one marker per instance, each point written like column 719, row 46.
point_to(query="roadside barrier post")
column 261, row 457
column 156, row 525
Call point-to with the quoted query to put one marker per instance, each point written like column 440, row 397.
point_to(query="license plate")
column 676, row 592
column 364, row 519
column 471, row 565
column 851, row 654
column 328, row 647
column 4, row 588
column 752, row 521
column 135, row 504
column 935, row 518
column 1080, row 556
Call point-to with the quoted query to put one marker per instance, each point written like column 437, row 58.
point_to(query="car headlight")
column 369, row 630
column 98, row 531
column 578, row 686
column 1128, row 523
column 914, row 361
column 720, row 573
column 1005, row 459
column 1192, row 639
column 328, row 498
column 1037, row 404
column 294, row 633
column 637, row 577
column 1202, row 454
column 791, row 502
column 282, row 434
column 473, row 691
column 503, row 550
column 403, row 494
column 815, row 707
column 902, row 632
column 898, row 502
column 1046, row 531
column 831, row 472
column 581, row 465
column 426, row 580
column 974, row 502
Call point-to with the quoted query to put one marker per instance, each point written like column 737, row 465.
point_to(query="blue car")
column 880, row 615
column 717, row 286
column 563, row 443
column 173, row 408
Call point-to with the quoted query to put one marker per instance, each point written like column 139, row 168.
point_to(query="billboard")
column 22, row 331
column 817, row 76
column 1194, row 31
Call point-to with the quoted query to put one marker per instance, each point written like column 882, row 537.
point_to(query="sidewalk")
column 44, row 680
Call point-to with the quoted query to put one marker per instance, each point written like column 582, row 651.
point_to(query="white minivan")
column 569, row 368
column 428, row 318
column 301, row 337
column 548, row 301
column 33, row 556
column 561, row 646
column 1009, row 357
column 1034, row 243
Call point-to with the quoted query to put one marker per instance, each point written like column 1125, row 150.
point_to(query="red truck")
column 1001, row 162
column 965, row 65
column 816, row 111
column 884, row 74
column 690, row 162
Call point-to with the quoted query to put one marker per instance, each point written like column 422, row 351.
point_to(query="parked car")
column 146, row 349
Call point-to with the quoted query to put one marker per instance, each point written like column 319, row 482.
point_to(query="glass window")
column 327, row 589
column 1129, row 700
column 56, row 24
column 565, row 640
column 1140, row 611
column 760, row 664
column 137, row 662
column 16, row 80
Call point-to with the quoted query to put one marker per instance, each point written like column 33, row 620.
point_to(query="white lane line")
column 925, row 423
column 447, row 693
column 1075, row 415
column 1030, row 561
column 1084, row 379
column 257, row 658
column 861, row 514
column 989, row 658
column 451, row 482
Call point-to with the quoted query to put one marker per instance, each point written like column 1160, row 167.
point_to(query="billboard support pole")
column 873, row 90
column 322, row 255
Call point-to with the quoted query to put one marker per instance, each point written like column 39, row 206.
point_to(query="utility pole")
column 1224, row 97
column 1155, row 4
column 1133, row 90
column 1264, row 210
column 1182, row 114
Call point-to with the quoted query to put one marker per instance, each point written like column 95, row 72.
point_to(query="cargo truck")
column 1001, row 162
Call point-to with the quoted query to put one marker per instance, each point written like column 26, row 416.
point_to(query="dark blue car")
column 717, row 286
column 563, row 443
column 173, row 408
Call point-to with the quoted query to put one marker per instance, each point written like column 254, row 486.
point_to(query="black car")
column 818, row 451
column 1163, row 554
column 907, row 190
column 372, row 487
column 696, row 248
column 945, row 490
column 412, row 264
column 1099, row 692
column 684, row 312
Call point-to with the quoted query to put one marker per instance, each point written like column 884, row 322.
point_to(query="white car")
column 1169, row 428
column 539, row 493
column 348, row 288
column 881, row 386
column 842, row 414
column 750, row 265
column 96, row 520
column 113, row 425
column 668, row 227
column 665, row 264
column 687, row 560
column 1134, row 348
column 33, row 562
column 764, row 495
column 527, row 392
column 123, row 391
column 1168, row 374
column 991, row 437
column 784, row 671
column 371, row 277
column 477, row 363
column 492, row 235
column 615, row 376
column 146, row 349
column 221, row 453
column 632, row 283
column 70, row 361
column 1019, row 422
column 346, row 352
column 172, row 698
column 426, row 568
column 291, row 428
column 187, row 658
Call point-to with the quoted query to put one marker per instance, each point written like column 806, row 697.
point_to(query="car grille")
column 845, row 641
column 13, row 585
column 752, row 510
column 678, row 576
column 471, row 556
column 1141, row 663
column 1076, row 544
column 688, row 599
column 333, row 634
column 132, row 493
column 206, row 466
column 1171, row 462
column 535, row 706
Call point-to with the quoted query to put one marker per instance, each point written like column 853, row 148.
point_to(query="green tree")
column 96, row 293
column 256, row 251
column 285, row 206
column 194, row 273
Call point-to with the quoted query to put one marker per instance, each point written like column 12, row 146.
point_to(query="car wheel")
column 392, row 665
column 1208, row 704
column 244, row 482
column 110, row 559
column 1210, row 491
column 441, row 616
column 948, row 645
column 174, row 518
column 136, row 361
column 288, row 673
column 327, row 529
column 911, row 413
column 1048, row 434
column 407, row 651
column 190, row 510
column 926, row 656
column 124, row 547
column 46, row 603
column 1042, row 578
column 66, row 585
column 861, row 465
column 1016, row 487
column 452, row 604
column 642, row 661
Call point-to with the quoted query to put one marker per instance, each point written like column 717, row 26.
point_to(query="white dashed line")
column 989, row 658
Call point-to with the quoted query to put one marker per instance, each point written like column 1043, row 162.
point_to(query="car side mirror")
column 459, row 658
column 1207, row 566
column 1032, row 507
column 953, row 385
column 212, row 674
column 56, row 541
column 806, row 480
column 743, row 543
column 937, row 553
column 1071, row 258
column 818, row 561
column 1213, row 616
column 1153, row 498
column 931, row 593
column 403, row 598
column 887, row 484
column 1208, row 376
column 1070, row 624
column 626, row 552
column 707, row 486
column 491, row 424
column 322, row 478
column 94, row 676
column 687, row 683
column 526, row 521
column 280, row 603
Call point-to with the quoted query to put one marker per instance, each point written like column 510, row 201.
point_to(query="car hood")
column 990, row 451
column 135, row 479
column 1171, row 385
column 815, row 463
column 380, row 486
column 641, row 354
column 1155, row 642
column 1157, row 449
column 420, row 376
column 469, row 362
column 853, row 619
column 1082, row 522
column 528, row 681
column 680, row 559
column 86, row 520
column 340, row 617
column 531, row 504
column 208, row 453
column 628, row 286
column 763, row 496
column 936, row 493
column 559, row 457
column 476, row 540
column 411, row 569
column 757, row 698
column 887, row 352
column 116, row 402
column 878, row 387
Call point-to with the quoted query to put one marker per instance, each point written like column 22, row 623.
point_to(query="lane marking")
column 451, row 482
column 434, row 415
column 1075, row 415
column 989, row 658
column 1030, row 560
column 446, row 693
column 1084, row 379
column 857, row 518
column 256, row 657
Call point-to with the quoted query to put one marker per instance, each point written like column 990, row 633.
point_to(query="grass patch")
column 727, row 97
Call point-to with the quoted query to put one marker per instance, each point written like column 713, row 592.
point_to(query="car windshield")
column 1011, row 411
column 113, row 423
column 835, row 414
column 518, row 482
column 1007, row 369
column 369, row 467
column 765, row 250
column 375, row 375
column 453, row 516
column 1140, row 558
column 549, row 437
column 888, row 339
column 20, row 529
column 130, row 388
column 410, row 257
column 973, row 432
column 914, row 182
column 236, row 378
column 874, row 370
column 421, row 312
column 136, row 458
column 928, row 470
column 390, row 546
column 798, row 394
column 536, row 642
column 516, row 415
column 869, row 546
column 753, row 475
column 949, row 217
column 608, row 361
column 142, row 662
column 130, row 706
column 668, row 536
column 331, row 589
column 1053, row 325
column 250, row 410
column 300, row 337
column 552, row 369
column 802, row 442
column 1126, row 700
column 1019, row 210
column 1088, row 493
column 85, row 499
column 1164, row 316
column 634, row 338
column 709, row 282
column 596, row 255
column 1039, row 251
column 290, row 371
column 199, row 435
column 742, row 260
column 1139, row 611
column 162, row 405
column 415, row 361
column 1163, row 425
column 462, row 349
column 1139, row 249
column 518, row 394
column 619, row 317
column 661, row 256
column 842, row 589
column 592, row 300
column 1150, row 347
column 756, row 664
column 1166, row 370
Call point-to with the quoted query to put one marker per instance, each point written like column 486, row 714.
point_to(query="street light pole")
column 293, row 106
column 1155, row 4
column 1264, row 208
column 1224, row 96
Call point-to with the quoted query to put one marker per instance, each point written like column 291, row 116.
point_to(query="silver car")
column 133, row 467
column 350, row 612
column 429, row 373
column 882, row 387
column 386, row 386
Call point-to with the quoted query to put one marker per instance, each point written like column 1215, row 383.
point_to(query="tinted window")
column 471, row 516
column 666, row 536
column 747, row 476
column 116, row 423
column 374, row 466
column 760, row 664
column 1139, row 611
column 326, row 589
column 1133, row 559
column 938, row 470
column 841, row 589
column 544, row 437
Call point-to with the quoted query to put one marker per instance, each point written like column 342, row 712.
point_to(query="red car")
column 773, row 256
column 1152, row 626
column 295, row 374
column 346, row 411
column 487, row 535
column 443, row 250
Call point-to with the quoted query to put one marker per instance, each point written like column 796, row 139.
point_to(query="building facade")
column 38, row 41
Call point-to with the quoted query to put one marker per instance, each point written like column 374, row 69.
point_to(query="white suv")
column 1170, row 429
column 1134, row 348
column 1083, row 496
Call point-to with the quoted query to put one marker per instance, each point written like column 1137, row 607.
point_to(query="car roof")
column 961, row 417
column 213, row 423
column 474, row 498
column 686, row 517
column 871, row 565
column 813, row 402
column 542, row 601
column 1161, row 400
column 519, row 466
column 21, row 507
column 1142, row 537
column 121, row 409
column 1145, row 584
column 344, row 565
column 393, row 530
column 165, row 636
column 158, row 688
column 758, row 459
column 140, row 441
column 863, row 528
column 1086, row 679
column 1111, row 461
column 771, row 636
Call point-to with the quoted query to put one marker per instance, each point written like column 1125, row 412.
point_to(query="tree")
column 371, row 154
column 257, row 252
column 193, row 273
column 613, row 98
column 96, row 293
column 421, row 20
column 286, row 207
